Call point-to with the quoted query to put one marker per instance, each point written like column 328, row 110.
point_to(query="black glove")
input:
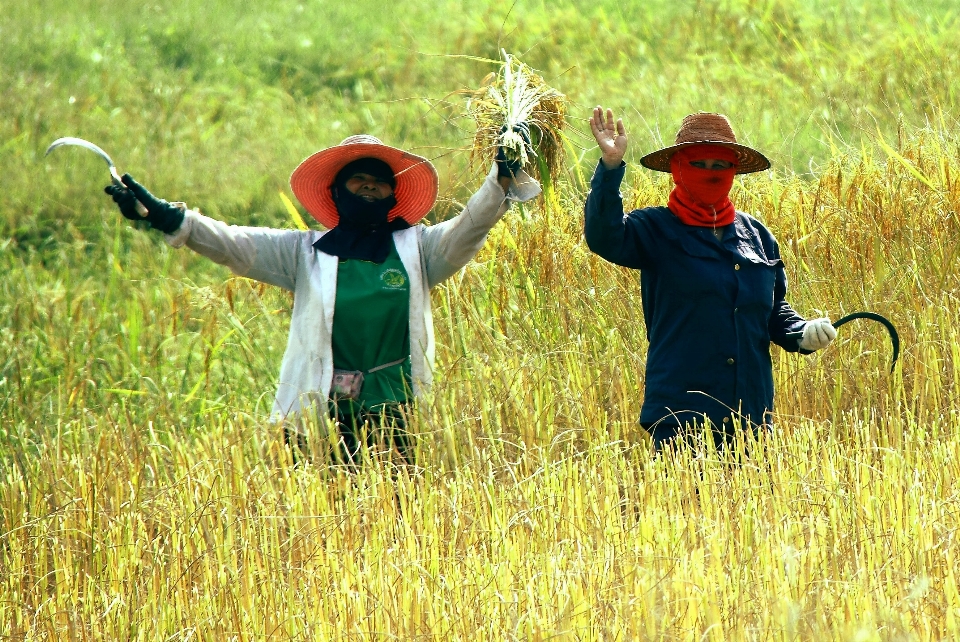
column 510, row 168
column 161, row 215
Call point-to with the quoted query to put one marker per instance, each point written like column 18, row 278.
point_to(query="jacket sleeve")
column 605, row 225
column 450, row 245
column 784, row 320
column 263, row 254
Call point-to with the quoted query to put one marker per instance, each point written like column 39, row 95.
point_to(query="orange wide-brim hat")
column 417, row 182
column 706, row 128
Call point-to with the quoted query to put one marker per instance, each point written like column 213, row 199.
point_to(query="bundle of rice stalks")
column 511, row 96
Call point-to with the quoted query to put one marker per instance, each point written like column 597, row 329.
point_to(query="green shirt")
column 371, row 327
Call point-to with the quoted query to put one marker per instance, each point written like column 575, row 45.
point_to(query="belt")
column 387, row 365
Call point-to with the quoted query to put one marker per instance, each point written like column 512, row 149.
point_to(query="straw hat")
column 417, row 182
column 707, row 128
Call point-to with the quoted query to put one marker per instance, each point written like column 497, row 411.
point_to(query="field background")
column 143, row 494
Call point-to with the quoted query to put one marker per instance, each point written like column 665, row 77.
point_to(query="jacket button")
column 736, row 310
column 736, row 266
column 730, row 361
column 726, row 420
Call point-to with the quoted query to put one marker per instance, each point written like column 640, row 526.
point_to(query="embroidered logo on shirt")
column 393, row 279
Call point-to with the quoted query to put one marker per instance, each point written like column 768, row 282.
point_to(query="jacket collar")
column 744, row 241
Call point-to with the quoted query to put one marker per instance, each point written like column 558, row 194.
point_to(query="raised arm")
column 263, row 254
column 449, row 246
column 604, row 226
column 260, row 253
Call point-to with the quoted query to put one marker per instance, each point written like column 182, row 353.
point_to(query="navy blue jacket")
column 711, row 307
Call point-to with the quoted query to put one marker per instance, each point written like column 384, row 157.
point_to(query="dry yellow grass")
column 538, row 512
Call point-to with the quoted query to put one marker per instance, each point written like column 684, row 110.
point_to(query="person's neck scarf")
column 701, row 196
column 364, row 230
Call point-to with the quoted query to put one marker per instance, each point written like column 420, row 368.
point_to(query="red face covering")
column 701, row 196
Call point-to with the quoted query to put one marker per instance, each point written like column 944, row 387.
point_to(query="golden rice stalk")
column 293, row 211
column 514, row 95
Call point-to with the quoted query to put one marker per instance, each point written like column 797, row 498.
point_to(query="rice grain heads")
column 516, row 94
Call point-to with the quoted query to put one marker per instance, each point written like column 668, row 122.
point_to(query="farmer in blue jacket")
column 712, row 280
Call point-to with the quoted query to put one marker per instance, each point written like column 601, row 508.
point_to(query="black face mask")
column 357, row 212
column 363, row 231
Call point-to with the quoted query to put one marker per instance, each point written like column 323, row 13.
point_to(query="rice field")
column 145, row 495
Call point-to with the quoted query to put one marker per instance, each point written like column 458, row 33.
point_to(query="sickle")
column 79, row 142
column 873, row 316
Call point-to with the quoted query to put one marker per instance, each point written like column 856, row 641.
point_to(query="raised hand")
column 510, row 164
column 161, row 215
column 611, row 137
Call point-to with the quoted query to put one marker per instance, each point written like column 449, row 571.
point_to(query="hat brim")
column 749, row 160
column 416, row 190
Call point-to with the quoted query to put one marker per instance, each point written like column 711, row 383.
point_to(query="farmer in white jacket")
column 361, row 339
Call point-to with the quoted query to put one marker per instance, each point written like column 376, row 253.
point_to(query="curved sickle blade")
column 894, row 336
column 79, row 142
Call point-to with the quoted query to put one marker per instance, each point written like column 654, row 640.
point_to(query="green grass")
column 144, row 495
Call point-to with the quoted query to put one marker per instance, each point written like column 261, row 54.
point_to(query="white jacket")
column 287, row 258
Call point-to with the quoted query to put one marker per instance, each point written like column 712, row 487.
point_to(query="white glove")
column 818, row 334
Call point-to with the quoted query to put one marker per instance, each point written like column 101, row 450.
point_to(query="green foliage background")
column 207, row 100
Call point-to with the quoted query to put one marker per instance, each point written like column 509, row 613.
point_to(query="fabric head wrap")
column 364, row 230
column 701, row 196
